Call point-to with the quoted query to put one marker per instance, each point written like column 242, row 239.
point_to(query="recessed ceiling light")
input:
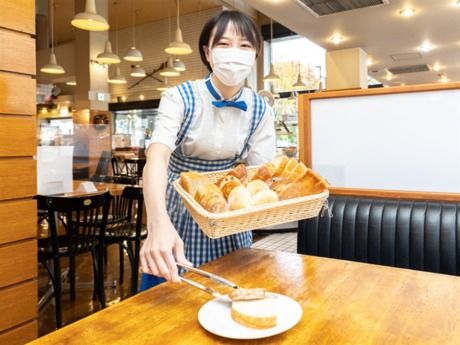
column 389, row 77
column 458, row 3
column 443, row 78
column 370, row 61
column 436, row 67
column 426, row 46
column 336, row 39
column 407, row 12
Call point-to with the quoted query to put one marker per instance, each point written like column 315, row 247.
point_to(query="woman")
column 203, row 125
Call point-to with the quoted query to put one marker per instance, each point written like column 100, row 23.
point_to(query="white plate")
column 215, row 317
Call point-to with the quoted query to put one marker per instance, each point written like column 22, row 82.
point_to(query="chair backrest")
column 103, row 163
column 118, row 167
column 84, row 219
column 136, row 203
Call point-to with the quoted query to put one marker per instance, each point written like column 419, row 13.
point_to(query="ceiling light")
column 299, row 84
column 178, row 47
column 271, row 76
column 436, row 67
column 169, row 70
column 90, row 20
column 137, row 71
column 179, row 65
column 443, row 78
column 389, row 76
column 117, row 78
column 141, row 97
column 71, row 83
column 164, row 86
column 336, row 39
column 107, row 57
column 133, row 54
column 52, row 67
column 458, row 3
column 370, row 61
column 426, row 46
column 407, row 12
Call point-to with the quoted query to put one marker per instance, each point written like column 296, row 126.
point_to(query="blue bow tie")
column 239, row 104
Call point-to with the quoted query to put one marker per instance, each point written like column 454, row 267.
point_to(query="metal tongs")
column 213, row 277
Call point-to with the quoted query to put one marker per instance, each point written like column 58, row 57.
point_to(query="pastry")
column 264, row 197
column 227, row 184
column 279, row 163
column 256, row 186
column 193, row 180
column 211, row 198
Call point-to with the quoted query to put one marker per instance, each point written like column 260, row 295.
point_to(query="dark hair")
column 244, row 25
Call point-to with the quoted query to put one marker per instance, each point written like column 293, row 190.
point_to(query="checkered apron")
column 199, row 248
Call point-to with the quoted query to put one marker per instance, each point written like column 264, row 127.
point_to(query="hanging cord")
column 116, row 27
column 178, row 24
column 133, row 31
column 51, row 9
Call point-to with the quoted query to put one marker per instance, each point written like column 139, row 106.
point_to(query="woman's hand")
column 161, row 249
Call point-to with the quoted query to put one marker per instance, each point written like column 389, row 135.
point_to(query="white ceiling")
column 381, row 31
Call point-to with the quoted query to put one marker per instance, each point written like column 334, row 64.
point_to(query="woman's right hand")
column 161, row 249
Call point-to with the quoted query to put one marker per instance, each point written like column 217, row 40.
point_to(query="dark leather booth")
column 421, row 235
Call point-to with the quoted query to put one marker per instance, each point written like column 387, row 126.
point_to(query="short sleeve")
column 169, row 118
column 263, row 142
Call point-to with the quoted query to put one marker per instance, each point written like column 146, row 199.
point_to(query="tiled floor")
column 286, row 242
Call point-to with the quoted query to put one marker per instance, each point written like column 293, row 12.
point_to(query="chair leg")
column 72, row 277
column 122, row 263
column 135, row 268
column 100, row 274
column 56, row 279
column 95, row 276
column 106, row 256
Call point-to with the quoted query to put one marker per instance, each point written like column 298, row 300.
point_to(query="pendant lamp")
column 179, row 65
column 90, row 20
column 169, row 70
column 117, row 78
column 137, row 71
column 271, row 76
column 52, row 67
column 133, row 53
column 178, row 47
column 299, row 84
column 107, row 57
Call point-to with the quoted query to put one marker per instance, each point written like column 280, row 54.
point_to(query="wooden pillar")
column 18, row 212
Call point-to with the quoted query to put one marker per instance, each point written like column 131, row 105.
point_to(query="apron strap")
column 189, row 98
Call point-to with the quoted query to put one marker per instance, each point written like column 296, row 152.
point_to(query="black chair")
column 118, row 167
column 84, row 220
column 125, row 229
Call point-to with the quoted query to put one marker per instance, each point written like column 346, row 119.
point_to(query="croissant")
column 192, row 180
column 239, row 172
column 211, row 198
column 240, row 198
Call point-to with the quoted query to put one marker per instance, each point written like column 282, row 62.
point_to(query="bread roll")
column 279, row 163
column 240, row 198
column 192, row 180
column 259, row 313
column 211, row 198
column 264, row 197
column 256, row 186
column 227, row 184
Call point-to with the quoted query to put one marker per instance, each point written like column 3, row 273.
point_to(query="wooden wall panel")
column 17, row 94
column 16, row 262
column 18, row 15
column 19, row 303
column 15, row 52
column 18, row 136
column 18, row 220
column 18, row 178
column 21, row 335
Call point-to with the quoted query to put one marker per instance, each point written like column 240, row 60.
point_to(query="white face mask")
column 232, row 65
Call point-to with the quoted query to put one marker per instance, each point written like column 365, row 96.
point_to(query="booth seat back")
column 410, row 234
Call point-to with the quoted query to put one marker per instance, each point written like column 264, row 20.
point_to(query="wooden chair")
column 126, row 230
column 84, row 219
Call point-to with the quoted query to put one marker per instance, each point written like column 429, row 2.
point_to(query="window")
column 133, row 127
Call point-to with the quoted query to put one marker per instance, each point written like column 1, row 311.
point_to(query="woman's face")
column 230, row 39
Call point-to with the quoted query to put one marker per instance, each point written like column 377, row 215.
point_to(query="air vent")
column 409, row 69
column 406, row 56
column 325, row 7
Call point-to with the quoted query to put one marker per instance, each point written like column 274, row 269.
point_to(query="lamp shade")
column 107, row 57
column 178, row 47
column 90, row 20
column 52, row 67
column 179, row 65
column 299, row 84
column 137, row 71
column 117, row 78
column 272, row 76
column 133, row 54
column 169, row 70
column 164, row 86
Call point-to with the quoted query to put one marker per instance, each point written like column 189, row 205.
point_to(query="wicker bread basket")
column 216, row 225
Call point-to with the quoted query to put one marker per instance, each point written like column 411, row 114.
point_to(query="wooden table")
column 343, row 303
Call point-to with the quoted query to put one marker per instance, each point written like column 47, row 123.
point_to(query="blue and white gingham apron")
column 199, row 248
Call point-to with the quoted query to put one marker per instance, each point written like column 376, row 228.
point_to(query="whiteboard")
column 406, row 141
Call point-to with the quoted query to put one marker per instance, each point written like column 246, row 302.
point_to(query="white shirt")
column 215, row 133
